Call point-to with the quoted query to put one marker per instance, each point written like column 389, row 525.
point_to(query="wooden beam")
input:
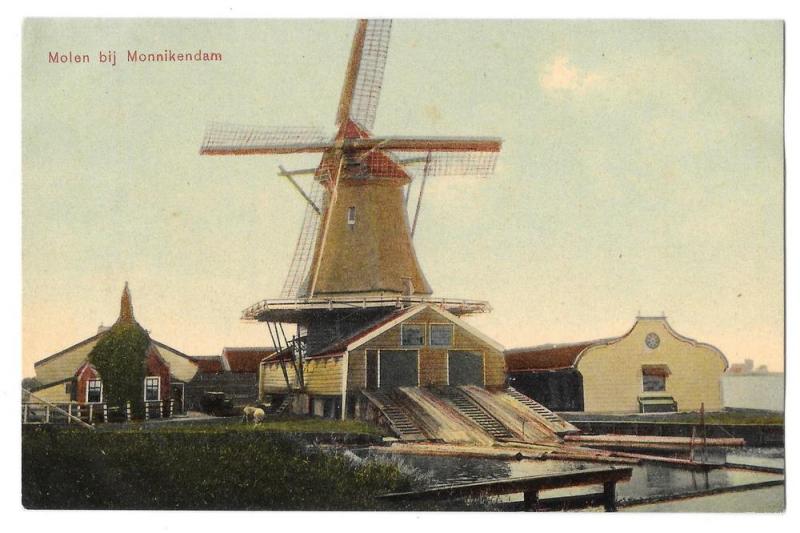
column 286, row 174
column 421, row 191
column 432, row 144
column 310, row 148
column 553, row 480
column 353, row 64
column 58, row 409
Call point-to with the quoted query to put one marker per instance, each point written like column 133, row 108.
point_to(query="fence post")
column 171, row 407
column 91, row 413
column 105, row 413
column 128, row 411
column 25, row 414
column 69, row 411
column 146, row 410
column 47, row 414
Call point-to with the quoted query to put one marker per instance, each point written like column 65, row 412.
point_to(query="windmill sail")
column 235, row 139
column 466, row 164
column 364, row 77
column 297, row 278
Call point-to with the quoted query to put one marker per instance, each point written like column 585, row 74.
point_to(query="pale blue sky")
column 642, row 171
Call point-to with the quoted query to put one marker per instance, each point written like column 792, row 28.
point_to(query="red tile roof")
column 547, row 356
column 208, row 364
column 242, row 360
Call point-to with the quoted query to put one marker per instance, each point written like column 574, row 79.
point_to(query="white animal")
column 247, row 413
column 256, row 414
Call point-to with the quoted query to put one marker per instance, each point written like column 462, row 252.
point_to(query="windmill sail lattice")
column 367, row 90
column 238, row 139
column 297, row 278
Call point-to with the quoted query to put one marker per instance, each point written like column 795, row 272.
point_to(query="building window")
column 412, row 335
column 151, row 388
column 68, row 387
column 654, row 378
column 441, row 334
column 351, row 216
column 652, row 383
column 94, row 391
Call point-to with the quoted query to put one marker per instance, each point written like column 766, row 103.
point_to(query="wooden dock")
column 649, row 442
column 530, row 486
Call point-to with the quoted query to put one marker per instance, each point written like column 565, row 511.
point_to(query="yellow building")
column 650, row 368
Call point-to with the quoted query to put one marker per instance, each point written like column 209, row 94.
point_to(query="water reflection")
column 435, row 470
column 648, row 480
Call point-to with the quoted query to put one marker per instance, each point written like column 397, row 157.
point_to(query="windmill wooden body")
column 354, row 264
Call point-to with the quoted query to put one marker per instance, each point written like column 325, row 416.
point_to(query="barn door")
column 465, row 368
column 398, row 368
column 176, row 394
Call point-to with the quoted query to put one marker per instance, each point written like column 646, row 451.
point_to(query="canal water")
column 647, row 481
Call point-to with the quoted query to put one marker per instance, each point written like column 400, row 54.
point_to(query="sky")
column 641, row 173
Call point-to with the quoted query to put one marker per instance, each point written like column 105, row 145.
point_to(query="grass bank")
column 281, row 425
column 232, row 466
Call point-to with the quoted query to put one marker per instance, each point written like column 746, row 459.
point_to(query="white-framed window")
column 351, row 216
column 412, row 334
column 441, row 335
column 94, row 391
column 152, row 388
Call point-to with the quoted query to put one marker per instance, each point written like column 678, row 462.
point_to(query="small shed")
column 234, row 372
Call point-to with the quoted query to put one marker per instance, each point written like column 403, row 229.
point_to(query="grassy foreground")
column 214, row 467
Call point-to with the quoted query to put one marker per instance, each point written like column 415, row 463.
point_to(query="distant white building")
column 745, row 388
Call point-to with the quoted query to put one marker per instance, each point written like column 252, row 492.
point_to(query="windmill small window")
column 351, row 216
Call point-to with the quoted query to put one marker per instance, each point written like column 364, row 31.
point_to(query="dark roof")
column 340, row 345
column 244, row 360
column 547, row 356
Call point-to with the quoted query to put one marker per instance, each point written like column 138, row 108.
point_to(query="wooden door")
column 372, row 369
column 465, row 368
column 399, row 368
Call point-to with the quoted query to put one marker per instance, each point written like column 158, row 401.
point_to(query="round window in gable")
column 652, row 341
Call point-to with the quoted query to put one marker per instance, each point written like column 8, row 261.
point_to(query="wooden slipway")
column 468, row 415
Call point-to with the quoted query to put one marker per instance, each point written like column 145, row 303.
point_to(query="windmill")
column 355, row 248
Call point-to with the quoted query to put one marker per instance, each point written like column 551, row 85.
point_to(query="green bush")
column 236, row 469
column 120, row 358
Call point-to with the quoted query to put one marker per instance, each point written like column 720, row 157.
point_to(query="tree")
column 120, row 358
column 30, row 383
